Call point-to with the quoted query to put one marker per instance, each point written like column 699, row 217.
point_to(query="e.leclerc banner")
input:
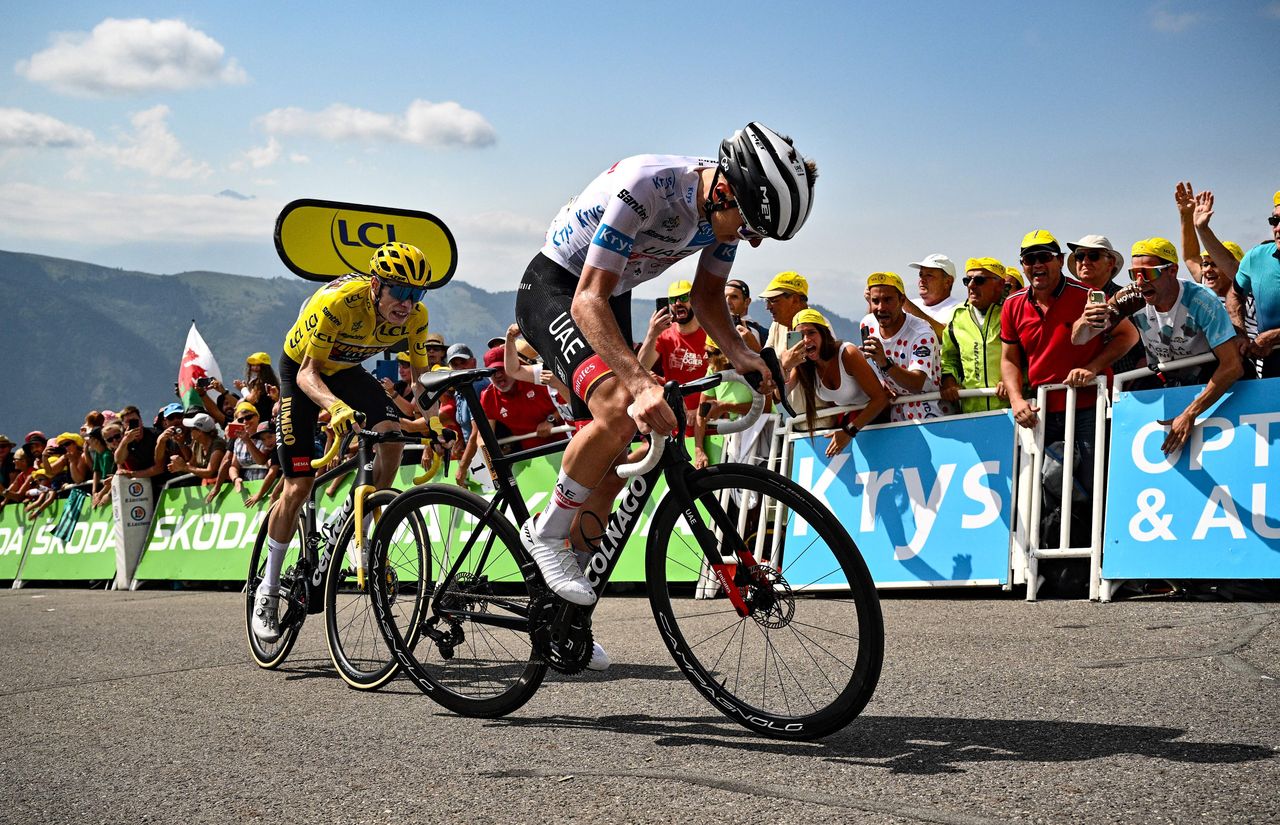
column 321, row 240
column 925, row 503
column 90, row 555
column 1211, row 509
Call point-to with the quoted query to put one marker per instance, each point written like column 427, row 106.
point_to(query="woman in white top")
column 835, row 371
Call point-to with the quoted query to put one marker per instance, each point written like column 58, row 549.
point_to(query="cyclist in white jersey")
column 628, row 226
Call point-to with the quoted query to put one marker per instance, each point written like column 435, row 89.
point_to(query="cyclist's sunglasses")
column 1041, row 257
column 978, row 279
column 679, row 299
column 400, row 292
column 1148, row 273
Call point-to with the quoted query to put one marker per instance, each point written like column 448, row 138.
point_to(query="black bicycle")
column 332, row 579
column 792, row 650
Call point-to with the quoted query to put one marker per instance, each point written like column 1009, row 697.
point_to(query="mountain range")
column 78, row 336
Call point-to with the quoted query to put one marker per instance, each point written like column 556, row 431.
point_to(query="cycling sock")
column 275, row 560
column 557, row 518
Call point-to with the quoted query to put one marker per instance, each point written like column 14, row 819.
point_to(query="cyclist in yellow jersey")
column 342, row 324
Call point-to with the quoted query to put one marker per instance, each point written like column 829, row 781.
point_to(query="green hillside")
column 77, row 336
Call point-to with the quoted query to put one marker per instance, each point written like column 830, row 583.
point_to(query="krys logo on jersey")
column 1210, row 509
column 322, row 240
column 924, row 502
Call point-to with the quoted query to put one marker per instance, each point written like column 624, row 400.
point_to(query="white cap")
column 937, row 261
column 200, row 421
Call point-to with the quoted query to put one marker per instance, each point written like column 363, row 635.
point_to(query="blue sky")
column 937, row 127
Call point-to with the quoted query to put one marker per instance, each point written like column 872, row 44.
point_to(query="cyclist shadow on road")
column 924, row 745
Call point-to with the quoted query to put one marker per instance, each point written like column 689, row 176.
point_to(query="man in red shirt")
column 1035, row 328
column 517, row 407
column 677, row 343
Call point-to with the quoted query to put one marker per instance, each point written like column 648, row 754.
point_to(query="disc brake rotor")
column 769, row 597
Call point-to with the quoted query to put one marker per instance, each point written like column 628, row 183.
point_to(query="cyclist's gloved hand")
column 341, row 418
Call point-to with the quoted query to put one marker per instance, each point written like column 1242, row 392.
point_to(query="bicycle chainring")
column 562, row 641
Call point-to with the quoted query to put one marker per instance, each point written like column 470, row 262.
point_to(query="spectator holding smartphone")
column 102, row 444
column 257, row 367
column 207, row 450
column 676, row 343
column 265, row 440
column 902, row 348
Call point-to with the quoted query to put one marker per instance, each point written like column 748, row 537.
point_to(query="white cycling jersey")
column 636, row 219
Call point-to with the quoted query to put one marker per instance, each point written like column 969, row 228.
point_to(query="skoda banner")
column 194, row 541
column 925, row 503
column 321, row 240
column 14, row 530
column 90, row 554
column 1208, row 510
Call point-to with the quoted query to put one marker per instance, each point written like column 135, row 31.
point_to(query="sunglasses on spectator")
column 112, row 439
column 978, row 279
column 1148, row 273
column 1274, row 220
column 1041, row 257
column 679, row 299
column 433, row 346
column 246, row 418
column 1093, row 255
column 400, row 292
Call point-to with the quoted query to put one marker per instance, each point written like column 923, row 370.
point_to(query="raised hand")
column 1184, row 197
column 1204, row 209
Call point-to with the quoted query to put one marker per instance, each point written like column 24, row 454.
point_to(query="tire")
column 356, row 646
column 271, row 656
column 469, row 667
column 801, row 674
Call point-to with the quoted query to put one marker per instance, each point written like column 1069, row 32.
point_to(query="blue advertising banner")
column 925, row 503
column 1211, row 509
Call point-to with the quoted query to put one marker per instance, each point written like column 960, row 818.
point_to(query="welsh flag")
column 197, row 362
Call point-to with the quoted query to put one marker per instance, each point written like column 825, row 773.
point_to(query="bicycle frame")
column 674, row 464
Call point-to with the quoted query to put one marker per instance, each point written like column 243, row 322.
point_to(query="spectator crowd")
column 1064, row 314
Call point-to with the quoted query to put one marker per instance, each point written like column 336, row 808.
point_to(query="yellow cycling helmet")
column 401, row 263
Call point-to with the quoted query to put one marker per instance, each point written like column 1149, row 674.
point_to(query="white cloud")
column 40, row 213
column 259, row 157
column 123, row 57
column 298, row 157
column 503, row 226
column 427, row 124
column 21, row 128
column 153, row 149
column 1165, row 19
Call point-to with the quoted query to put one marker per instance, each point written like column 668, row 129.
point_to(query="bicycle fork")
column 734, row 574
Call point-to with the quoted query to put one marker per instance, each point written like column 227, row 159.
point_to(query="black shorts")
column 542, row 312
column 296, row 424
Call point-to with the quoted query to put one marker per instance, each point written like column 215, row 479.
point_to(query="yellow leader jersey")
column 339, row 326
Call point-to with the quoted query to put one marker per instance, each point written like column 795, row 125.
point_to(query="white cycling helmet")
column 771, row 183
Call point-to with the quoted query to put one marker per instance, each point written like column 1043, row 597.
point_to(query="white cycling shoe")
column 599, row 659
column 559, row 567
column 266, row 618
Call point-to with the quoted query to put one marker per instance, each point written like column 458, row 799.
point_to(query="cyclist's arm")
column 591, row 312
column 312, row 383
column 713, row 314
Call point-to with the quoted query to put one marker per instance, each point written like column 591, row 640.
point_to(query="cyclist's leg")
column 295, row 447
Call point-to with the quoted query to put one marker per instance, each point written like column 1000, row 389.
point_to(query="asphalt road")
column 144, row 707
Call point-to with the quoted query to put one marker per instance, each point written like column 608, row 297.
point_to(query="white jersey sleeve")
column 637, row 219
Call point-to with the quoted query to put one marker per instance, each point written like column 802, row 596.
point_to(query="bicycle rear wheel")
column 355, row 644
column 805, row 659
column 460, row 628
column 292, row 598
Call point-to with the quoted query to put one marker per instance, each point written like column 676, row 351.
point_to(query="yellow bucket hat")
column 810, row 316
column 259, row 358
column 1159, row 247
column 886, row 279
column 989, row 264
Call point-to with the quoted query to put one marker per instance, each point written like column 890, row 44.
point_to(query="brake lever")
column 775, row 368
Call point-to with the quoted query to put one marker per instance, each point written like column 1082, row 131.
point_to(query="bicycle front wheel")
column 355, row 644
column 461, row 627
column 805, row 659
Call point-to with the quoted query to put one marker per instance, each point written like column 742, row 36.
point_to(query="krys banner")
column 1209, row 510
column 925, row 503
column 321, row 240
